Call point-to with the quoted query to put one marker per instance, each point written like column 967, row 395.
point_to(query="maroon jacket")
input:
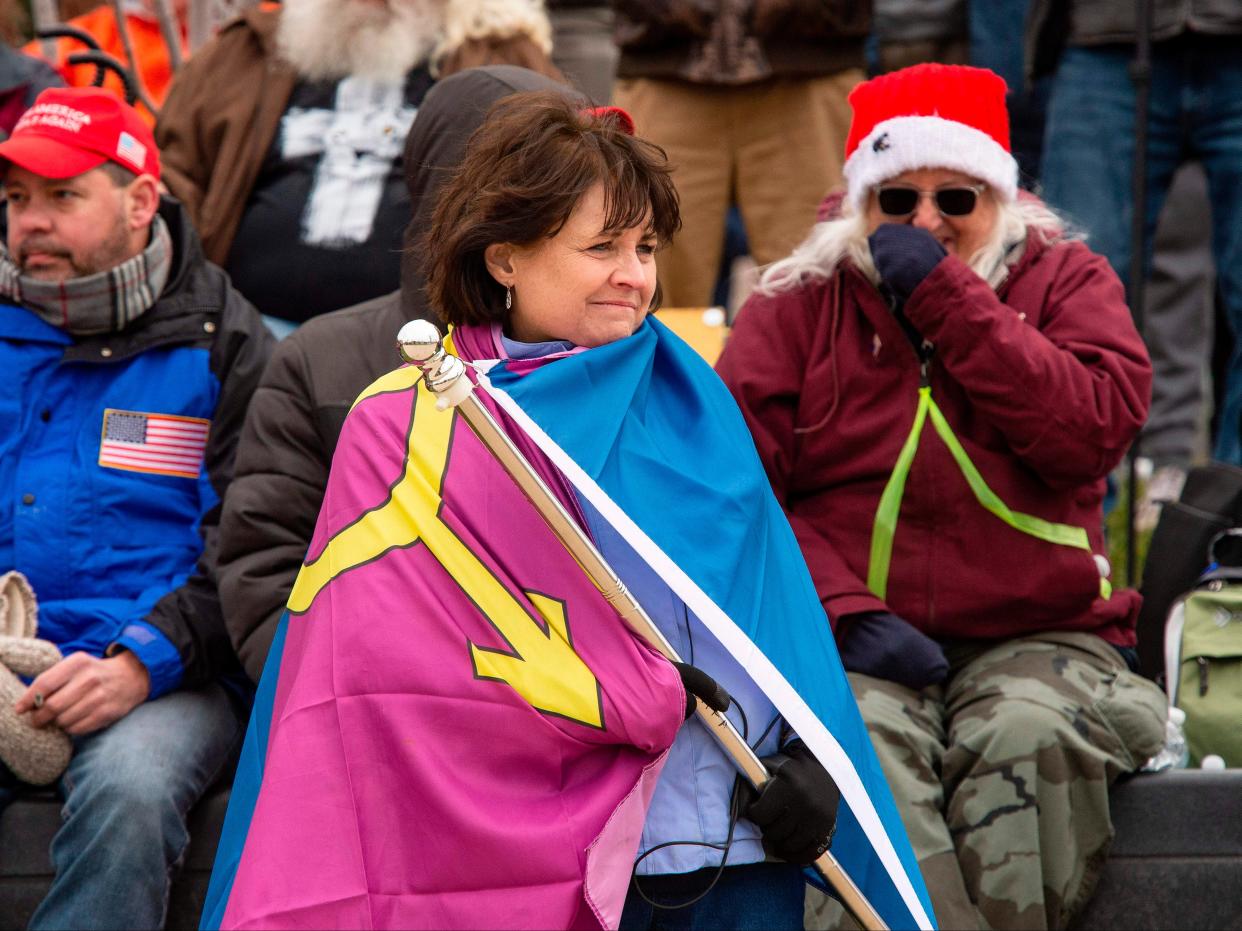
column 1045, row 384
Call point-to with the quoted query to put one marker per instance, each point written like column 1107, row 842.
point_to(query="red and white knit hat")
column 930, row 116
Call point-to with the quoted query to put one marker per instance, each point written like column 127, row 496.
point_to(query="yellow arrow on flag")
column 540, row 664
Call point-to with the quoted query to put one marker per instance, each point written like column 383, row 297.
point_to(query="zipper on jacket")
column 1203, row 675
column 924, row 352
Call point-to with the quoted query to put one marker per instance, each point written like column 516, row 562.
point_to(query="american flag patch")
column 164, row 444
column 133, row 151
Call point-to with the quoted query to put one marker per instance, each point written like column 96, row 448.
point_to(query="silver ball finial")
column 418, row 341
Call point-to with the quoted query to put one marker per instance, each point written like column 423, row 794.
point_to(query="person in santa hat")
column 938, row 381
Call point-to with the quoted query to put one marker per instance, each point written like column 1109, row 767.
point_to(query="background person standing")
column 749, row 101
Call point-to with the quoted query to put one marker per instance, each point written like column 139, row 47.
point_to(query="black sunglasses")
column 950, row 201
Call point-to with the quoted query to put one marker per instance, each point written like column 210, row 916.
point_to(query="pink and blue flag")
column 655, row 443
column 454, row 729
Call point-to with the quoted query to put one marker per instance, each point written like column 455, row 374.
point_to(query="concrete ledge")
column 1176, row 862
column 1177, row 859
column 26, row 831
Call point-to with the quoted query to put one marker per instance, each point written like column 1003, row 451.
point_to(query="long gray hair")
column 845, row 237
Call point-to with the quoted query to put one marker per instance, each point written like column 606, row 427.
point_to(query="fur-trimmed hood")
column 496, row 20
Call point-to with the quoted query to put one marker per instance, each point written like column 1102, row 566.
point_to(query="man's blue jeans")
column 996, row 45
column 1196, row 113
column 127, row 792
column 754, row 897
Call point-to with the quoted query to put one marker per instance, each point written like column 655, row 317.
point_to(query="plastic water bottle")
column 1175, row 754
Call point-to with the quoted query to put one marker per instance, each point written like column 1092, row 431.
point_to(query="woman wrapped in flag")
column 454, row 728
column 553, row 255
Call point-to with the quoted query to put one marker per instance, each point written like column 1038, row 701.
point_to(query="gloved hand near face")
column 904, row 255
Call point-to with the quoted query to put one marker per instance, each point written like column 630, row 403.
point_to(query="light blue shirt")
column 691, row 800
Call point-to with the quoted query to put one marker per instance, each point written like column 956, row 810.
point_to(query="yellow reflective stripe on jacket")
column 885, row 526
column 890, row 503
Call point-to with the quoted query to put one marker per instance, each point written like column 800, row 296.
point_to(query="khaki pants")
column 1002, row 775
column 774, row 148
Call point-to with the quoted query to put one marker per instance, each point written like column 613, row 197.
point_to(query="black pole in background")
column 1140, row 74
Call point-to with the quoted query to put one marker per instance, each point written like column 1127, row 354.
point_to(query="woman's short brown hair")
column 525, row 169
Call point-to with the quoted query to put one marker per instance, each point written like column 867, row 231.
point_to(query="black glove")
column 880, row 644
column 699, row 684
column 904, row 255
column 797, row 808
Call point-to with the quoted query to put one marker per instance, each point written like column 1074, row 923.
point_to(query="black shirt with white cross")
column 323, row 226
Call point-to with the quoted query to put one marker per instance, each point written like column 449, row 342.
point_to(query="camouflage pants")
column 1002, row 774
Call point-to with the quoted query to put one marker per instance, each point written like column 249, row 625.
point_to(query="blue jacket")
column 120, row 554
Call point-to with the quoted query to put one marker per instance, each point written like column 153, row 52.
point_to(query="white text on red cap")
column 53, row 114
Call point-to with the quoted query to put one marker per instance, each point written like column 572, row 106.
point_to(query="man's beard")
column 326, row 40
column 111, row 252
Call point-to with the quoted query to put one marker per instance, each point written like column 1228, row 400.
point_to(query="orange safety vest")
column 154, row 65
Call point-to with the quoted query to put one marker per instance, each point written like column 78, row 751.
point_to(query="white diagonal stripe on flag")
column 167, row 444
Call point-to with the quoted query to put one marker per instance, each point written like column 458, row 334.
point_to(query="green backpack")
column 1203, row 662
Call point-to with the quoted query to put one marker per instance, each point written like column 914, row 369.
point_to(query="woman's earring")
column 508, row 298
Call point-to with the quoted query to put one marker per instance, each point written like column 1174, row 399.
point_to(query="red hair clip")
column 624, row 120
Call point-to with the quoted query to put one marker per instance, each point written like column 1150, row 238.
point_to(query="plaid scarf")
column 106, row 302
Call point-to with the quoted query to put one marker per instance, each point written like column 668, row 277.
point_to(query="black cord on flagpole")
column 1140, row 75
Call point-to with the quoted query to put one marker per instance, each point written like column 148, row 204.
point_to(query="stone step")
column 1176, row 862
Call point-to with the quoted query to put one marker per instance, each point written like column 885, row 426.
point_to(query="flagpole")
column 420, row 344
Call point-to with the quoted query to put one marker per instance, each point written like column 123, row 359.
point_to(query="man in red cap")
column 128, row 361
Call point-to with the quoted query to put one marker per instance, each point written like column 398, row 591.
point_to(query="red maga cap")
column 70, row 130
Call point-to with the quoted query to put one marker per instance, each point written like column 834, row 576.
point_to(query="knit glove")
column 880, row 644
column 699, row 684
column 37, row 755
column 904, row 255
column 797, row 807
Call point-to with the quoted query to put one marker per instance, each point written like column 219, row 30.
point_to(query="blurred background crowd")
column 749, row 100
column 303, row 143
